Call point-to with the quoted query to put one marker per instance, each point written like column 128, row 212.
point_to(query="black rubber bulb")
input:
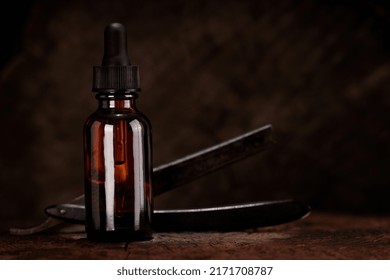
column 116, row 74
column 115, row 45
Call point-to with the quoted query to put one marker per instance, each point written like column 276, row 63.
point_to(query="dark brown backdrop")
column 210, row 70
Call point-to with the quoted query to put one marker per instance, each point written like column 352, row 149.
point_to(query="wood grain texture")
column 320, row 236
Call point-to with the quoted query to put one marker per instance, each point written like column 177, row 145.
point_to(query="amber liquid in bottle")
column 118, row 170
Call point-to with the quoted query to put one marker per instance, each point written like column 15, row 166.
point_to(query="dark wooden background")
column 210, row 70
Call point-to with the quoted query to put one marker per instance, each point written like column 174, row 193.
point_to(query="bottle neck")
column 109, row 101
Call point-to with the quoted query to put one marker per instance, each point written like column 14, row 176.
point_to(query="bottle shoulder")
column 113, row 116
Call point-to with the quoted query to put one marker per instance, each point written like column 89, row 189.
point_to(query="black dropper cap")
column 116, row 72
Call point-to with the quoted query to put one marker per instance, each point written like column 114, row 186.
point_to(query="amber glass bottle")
column 117, row 148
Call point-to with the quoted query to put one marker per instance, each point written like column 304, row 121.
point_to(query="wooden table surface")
column 319, row 236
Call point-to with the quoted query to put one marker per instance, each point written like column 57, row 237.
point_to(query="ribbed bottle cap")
column 116, row 72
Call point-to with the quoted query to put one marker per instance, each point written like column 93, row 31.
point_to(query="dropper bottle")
column 117, row 149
